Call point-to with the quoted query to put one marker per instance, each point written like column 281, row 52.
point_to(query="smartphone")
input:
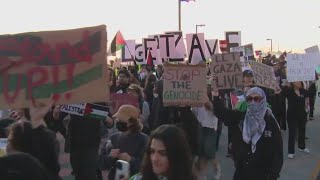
column 122, row 170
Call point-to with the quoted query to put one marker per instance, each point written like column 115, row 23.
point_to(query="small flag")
column 150, row 60
column 117, row 43
column 258, row 53
column 188, row 0
column 223, row 46
column 96, row 111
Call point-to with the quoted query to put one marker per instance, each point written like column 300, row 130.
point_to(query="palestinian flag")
column 223, row 46
column 150, row 60
column 95, row 111
column 117, row 43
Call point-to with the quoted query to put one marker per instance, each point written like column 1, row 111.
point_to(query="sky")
column 292, row 24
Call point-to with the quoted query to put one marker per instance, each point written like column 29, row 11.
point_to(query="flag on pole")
column 188, row 0
column 117, row 43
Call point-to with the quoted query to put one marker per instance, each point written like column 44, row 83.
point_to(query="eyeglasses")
column 255, row 99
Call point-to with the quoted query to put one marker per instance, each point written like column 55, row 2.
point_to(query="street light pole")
column 271, row 44
column 199, row 25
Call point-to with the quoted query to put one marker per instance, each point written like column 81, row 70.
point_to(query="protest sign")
column 128, row 52
column 301, row 67
column 167, row 46
column 314, row 49
column 233, row 38
column 119, row 99
column 180, row 49
column 184, row 85
column 228, row 70
column 196, row 48
column 140, row 54
column 61, row 65
column 212, row 47
column 264, row 76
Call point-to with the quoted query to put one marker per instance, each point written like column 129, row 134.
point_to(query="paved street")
column 300, row 168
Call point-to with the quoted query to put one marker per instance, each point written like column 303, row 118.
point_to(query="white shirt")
column 205, row 117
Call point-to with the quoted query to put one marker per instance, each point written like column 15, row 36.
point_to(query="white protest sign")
column 212, row 47
column 196, row 48
column 180, row 49
column 140, row 54
column 75, row 109
column 167, row 46
column 233, row 38
column 152, row 44
column 129, row 51
column 301, row 67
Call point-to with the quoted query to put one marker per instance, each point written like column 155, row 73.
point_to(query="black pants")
column 295, row 124
column 84, row 162
column 229, row 140
column 311, row 102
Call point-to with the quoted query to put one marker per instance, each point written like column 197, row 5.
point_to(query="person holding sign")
column 297, row 98
column 256, row 139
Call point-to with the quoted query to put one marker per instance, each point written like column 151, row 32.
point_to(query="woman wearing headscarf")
column 257, row 142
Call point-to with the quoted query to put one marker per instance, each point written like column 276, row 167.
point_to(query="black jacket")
column 46, row 149
column 267, row 160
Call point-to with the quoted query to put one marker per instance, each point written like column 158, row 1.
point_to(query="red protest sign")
column 117, row 100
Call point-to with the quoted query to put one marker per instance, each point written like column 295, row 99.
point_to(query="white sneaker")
column 305, row 150
column 290, row 156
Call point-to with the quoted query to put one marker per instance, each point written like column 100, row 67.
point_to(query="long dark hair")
column 178, row 153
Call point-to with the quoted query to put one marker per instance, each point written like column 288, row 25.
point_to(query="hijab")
column 254, row 123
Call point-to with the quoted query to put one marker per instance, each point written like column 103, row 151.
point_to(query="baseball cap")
column 126, row 112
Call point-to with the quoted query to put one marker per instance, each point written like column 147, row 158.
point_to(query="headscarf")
column 254, row 123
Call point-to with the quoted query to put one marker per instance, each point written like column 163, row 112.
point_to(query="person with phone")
column 168, row 156
column 127, row 145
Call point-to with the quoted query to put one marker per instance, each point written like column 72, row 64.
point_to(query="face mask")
column 122, row 126
column 155, row 95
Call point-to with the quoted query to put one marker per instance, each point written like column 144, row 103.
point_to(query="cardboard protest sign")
column 119, row 99
column 62, row 65
column 129, row 51
column 184, row 85
column 233, row 38
column 228, row 70
column 196, row 48
column 301, row 67
column 212, row 47
column 264, row 76
column 180, row 49
column 248, row 52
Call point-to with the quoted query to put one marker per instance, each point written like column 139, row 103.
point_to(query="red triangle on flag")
column 88, row 109
column 149, row 58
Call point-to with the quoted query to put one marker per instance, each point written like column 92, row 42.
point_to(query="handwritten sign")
column 62, row 65
column 117, row 100
column 301, row 67
column 264, row 76
column 184, row 85
column 227, row 68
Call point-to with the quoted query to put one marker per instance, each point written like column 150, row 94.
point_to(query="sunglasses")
column 255, row 99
